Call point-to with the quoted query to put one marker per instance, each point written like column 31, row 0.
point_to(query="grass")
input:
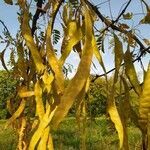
column 8, row 138
column 100, row 135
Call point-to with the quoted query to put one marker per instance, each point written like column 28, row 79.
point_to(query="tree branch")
column 123, row 11
column 110, row 24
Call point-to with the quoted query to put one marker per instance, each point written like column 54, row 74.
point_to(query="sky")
column 110, row 8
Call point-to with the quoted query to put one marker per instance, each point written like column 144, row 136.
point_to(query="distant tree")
column 7, row 89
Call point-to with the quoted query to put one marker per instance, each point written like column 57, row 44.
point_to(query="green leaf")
column 56, row 36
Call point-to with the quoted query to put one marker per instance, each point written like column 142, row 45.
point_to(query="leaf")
column 147, row 41
column 47, row 79
column 130, row 40
column 22, row 133
column 127, row 106
column 21, row 62
column 56, row 36
column 38, row 98
column 12, row 58
column 144, row 108
column 3, row 61
column 131, row 73
column 76, row 84
column 74, row 3
column 17, row 113
column 26, row 94
column 73, row 35
column 114, row 115
column 118, row 50
column 44, row 139
column 10, row 2
column 41, row 128
column 146, row 19
column 65, row 14
column 128, row 16
column 26, row 32
column 97, row 53
column 124, row 26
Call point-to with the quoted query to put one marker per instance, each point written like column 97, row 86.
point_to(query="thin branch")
column 102, row 3
column 110, row 24
column 146, row 5
column 111, row 15
column 123, row 11
column 5, row 28
column 113, row 69
column 55, row 13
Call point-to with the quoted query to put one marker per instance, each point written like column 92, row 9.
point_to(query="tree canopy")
column 39, row 67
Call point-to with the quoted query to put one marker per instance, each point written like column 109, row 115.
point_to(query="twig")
column 110, row 24
column 55, row 13
column 6, row 28
column 123, row 11
column 113, row 69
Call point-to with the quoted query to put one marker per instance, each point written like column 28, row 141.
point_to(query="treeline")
column 95, row 98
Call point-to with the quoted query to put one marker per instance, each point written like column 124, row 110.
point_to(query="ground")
column 100, row 135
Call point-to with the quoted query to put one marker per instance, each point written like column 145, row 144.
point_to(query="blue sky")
column 9, row 16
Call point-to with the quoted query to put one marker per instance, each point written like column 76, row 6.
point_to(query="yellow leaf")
column 65, row 14
column 44, row 122
column 144, row 108
column 18, row 112
column 97, row 53
column 21, row 62
column 26, row 32
column 131, row 73
column 126, row 104
column 22, row 92
column 128, row 16
column 146, row 19
column 114, row 115
column 39, row 102
column 124, row 26
column 118, row 50
column 147, row 41
column 44, row 139
column 73, row 35
column 9, row 2
column 22, row 134
column 54, row 64
column 26, row 94
column 76, row 84
column 47, row 79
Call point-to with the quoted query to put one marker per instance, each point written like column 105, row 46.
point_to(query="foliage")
column 33, row 59
column 97, row 99
column 7, row 86
column 104, row 136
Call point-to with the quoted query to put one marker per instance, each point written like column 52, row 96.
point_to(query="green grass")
column 100, row 135
column 8, row 137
